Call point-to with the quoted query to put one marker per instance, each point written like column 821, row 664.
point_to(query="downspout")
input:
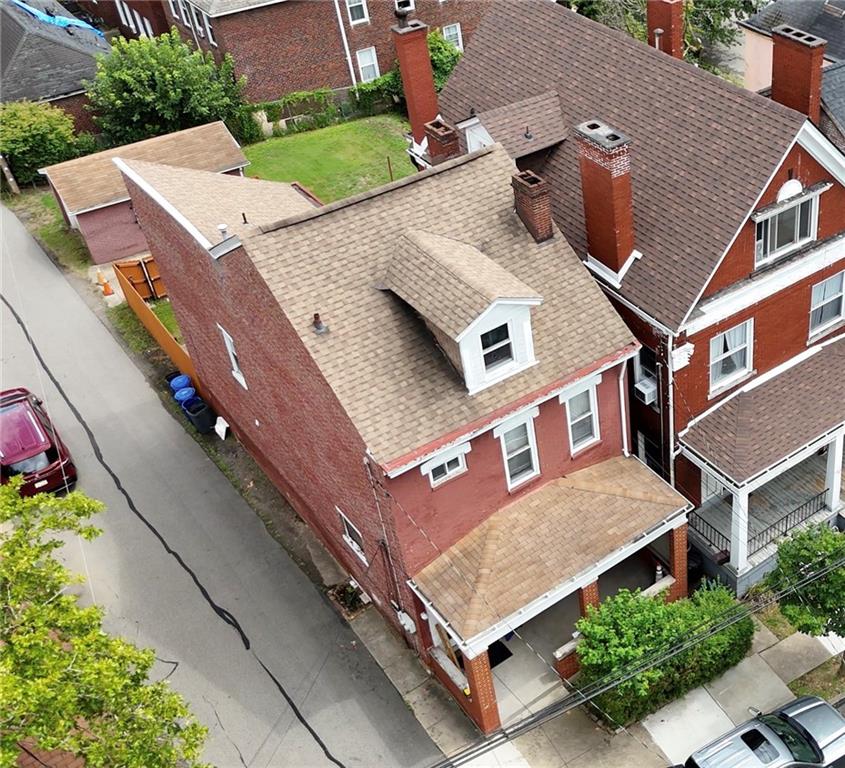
column 622, row 368
column 671, row 373
column 345, row 43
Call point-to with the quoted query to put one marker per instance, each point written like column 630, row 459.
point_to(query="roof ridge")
column 382, row 190
column 484, row 573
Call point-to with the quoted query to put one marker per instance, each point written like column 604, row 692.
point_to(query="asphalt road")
column 184, row 566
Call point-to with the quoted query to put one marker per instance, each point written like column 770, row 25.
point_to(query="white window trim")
column 186, row 13
column 350, row 542
column 409, row 5
column 209, row 32
column 456, row 452
column 365, row 20
column 787, row 249
column 574, row 450
column 640, row 373
column 147, row 27
column 231, row 350
column 823, row 329
column 197, row 19
column 460, row 43
column 361, row 66
column 173, row 11
column 728, row 382
column 526, row 418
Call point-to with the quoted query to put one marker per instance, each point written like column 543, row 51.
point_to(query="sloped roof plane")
column 822, row 18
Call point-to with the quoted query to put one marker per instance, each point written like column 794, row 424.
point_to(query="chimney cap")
column 405, row 27
column 798, row 36
column 602, row 134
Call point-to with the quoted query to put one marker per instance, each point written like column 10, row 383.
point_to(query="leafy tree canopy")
column 152, row 86
column 65, row 683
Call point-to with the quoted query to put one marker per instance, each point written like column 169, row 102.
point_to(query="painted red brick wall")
column 106, row 10
column 739, row 262
column 297, row 45
column 75, row 106
column 111, row 233
column 688, row 479
column 453, row 509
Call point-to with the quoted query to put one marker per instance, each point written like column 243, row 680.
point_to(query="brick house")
column 438, row 386
column 93, row 198
column 132, row 18
column 43, row 61
column 300, row 45
column 714, row 220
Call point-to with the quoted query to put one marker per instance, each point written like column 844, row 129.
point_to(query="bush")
column 33, row 136
column 628, row 628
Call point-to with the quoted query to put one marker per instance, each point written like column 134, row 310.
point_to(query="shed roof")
column 94, row 181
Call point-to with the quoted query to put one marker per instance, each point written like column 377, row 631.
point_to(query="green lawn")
column 163, row 310
column 337, row 161
column 130, row 328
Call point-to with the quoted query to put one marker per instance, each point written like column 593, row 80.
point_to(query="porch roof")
column 769, row 421
column 544, row 540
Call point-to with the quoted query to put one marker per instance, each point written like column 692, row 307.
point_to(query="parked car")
column 30, row 446
column 807, row 732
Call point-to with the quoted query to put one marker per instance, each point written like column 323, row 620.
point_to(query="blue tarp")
column 58, row 21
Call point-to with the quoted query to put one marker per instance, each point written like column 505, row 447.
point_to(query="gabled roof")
column 449, row 282
column 702, row 152
column 527, row 126
column 378, row 357
column 94, row 181
column 833, row 103
column 39, row 60
column 822, row 18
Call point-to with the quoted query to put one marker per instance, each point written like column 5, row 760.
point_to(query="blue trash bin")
column 179, row 382
column 186, row 393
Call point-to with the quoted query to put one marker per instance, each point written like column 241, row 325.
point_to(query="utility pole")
column 7, row 172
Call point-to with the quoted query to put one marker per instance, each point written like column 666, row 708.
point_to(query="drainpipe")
column 669, row 344
column 622, row 368
column 345, row 43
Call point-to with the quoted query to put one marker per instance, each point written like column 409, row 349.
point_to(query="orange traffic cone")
column 107, row 289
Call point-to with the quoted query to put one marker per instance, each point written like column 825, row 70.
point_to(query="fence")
column 714, row 538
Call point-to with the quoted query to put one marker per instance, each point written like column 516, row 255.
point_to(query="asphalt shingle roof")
column 527, row 126
column 39, row 60
column 702, row 148
column 822, row 18
column 833, row 101
column 223, row 7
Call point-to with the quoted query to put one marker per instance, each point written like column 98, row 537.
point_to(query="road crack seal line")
column 221, row 612
column 225, row 732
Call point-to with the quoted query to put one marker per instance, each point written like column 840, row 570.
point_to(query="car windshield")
column 31, row 464
column 690, row 764
column 795, row 741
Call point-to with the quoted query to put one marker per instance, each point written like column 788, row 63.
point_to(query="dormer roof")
column 450, row 283
column 527, row 126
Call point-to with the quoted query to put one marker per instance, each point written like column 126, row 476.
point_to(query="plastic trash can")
column 200, row 415
column 181, row 381
column 186, row 393
column 186, row 404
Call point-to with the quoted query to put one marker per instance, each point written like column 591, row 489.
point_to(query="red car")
column 29, row 445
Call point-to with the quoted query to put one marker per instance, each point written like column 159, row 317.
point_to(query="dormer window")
column 496, row 346
column 788, row 224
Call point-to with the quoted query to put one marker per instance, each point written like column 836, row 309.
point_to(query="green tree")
column 151, row 86
column 819, row 607
column 33, row 136
column 64, row 683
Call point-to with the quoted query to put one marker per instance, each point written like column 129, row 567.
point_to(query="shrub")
column 33, row 136
column 628, row 628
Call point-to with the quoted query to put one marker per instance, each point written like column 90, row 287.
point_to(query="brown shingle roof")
column 545, row 539
column 449, row 282
column 538, row 116
column 752, row 430
column 94, row 180
column 702, row 149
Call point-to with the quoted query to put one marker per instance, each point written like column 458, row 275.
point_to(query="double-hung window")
column 446, row 465
column 367, row 64
column 582, row 419
column 199, row 26
column 209, row 31
column 731, row 355
column 237, row 373
column 785, row 230
column 496, row 347
column 186, row 14
column 452, row 33
column 352, row 536
column 519, row 448
column 827, row 307
column 357, row 10
column 173, row 12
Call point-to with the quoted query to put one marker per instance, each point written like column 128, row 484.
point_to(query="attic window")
column 496, row 346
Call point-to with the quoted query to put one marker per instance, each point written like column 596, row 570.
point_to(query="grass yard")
column 776, row 621
column 130, row 328
column 40, row 214
column 338, row 161
column 163, row 310
column 824, row 681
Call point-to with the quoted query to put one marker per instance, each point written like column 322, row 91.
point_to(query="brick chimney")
column 665, row 20
column 606, row 190
column 411, row 41
column 533, row 203
column 443, row 141
column 797, row 61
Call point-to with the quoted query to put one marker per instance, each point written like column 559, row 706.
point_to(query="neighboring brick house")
column 714, row 219
column 93, row 198
column 820, row 18
column 437, row 385
column 132, row 18
column 43, row 60
column 301, row 45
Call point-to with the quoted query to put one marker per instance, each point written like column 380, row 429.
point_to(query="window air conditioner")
column 645, row 391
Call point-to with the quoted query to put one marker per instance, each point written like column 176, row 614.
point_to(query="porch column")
column 739, row 531
column 566, row 664
column 678, row 562
column 833, row 476
column 484, row 704
column 588, row 595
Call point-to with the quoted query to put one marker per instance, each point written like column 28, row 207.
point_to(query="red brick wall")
column 152, row 10
column 451, row 510
column 75, row 106
column 111, row 233
column 297, row 46
column 289, row 418
column 688, row 479
column 739, row 262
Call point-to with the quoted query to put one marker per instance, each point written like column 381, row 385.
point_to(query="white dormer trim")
column 606, row 273
column 483, row 318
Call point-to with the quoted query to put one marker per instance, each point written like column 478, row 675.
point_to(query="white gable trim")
column 250, row 7
column 480, row 319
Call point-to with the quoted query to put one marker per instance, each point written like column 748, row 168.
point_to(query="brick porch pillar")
column 588, row 595
column 484, row 706
column 678, row 563
column 568, row 666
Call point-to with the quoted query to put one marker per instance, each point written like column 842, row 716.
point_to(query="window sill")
column 778, row 255
column 359, row 23
column 436, row 486
column 523, row 482
column 727, row 386
column 821, row 333
column 355, row 550
column 579, row 449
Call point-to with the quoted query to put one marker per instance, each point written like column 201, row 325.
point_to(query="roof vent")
column 528, row 135
column 223, row 229
column 319, row 326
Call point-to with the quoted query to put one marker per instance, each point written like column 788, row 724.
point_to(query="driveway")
column 184, row 565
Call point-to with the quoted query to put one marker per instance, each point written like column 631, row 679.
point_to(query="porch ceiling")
column 543, row 540
column 770, row 421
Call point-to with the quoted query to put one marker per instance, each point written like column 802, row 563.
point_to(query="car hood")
column 21, row 436
column 732, row 752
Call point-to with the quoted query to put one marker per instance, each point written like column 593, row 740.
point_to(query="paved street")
column 184, row 565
